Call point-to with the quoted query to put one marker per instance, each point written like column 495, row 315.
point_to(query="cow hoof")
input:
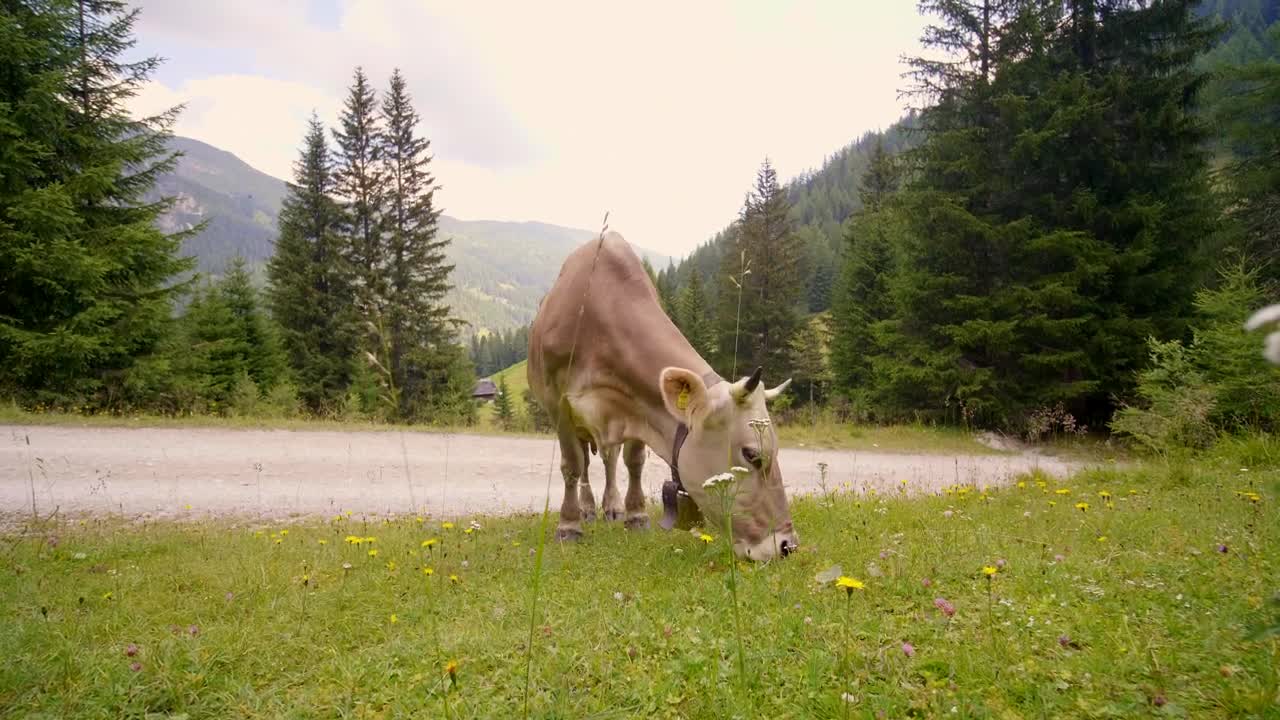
column 613, row 515
column 568, row 534
column 640, row 522
column 589, row 516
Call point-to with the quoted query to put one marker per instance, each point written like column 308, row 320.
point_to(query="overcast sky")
column 658, row 112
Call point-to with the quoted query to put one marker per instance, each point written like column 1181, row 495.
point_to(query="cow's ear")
column 682, row 392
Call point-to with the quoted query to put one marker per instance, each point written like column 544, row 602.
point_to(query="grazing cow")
column 616, row 375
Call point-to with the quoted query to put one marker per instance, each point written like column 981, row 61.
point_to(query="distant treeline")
column 499, row 350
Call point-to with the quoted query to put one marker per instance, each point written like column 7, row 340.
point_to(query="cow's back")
column 617, row 303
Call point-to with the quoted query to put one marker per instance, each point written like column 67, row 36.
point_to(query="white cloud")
column 658, row 112
column 261, row 120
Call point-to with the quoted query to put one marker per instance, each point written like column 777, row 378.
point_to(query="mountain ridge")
column 501, row 268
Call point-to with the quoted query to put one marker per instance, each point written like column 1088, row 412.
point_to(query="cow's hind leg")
column 612, row 498
column 633, row 455
column 573, row 464
column 586, row 499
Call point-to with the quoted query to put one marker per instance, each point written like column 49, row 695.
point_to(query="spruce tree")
column 1249, row 115
column 695, row 320
column 309, row 292
column 215, row 352
column 862, row 296
column 503, row 409
column 1044, row 241
column 87, row 279
column 415, row 320
column 264, row 358
column 767, row 246
column 360, row 185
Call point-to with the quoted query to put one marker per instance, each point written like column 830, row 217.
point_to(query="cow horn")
column 753, row 382
column 775, row 392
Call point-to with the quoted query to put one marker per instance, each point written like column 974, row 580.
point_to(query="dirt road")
column 280, row 472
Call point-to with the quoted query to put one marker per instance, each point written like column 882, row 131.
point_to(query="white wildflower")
column 716, row 482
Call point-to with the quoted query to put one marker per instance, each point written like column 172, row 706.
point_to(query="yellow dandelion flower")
column 108, row 595
column 990, row 570
column 446, row 525
column 1041, row 483
column 705, row 538
column 1082, row 506
column 1110, row 505
column 391, row 565
column 428, row 571
column 352, row 540
column 451, row 668
column 373, row 552
column 454, row 579
column 850, row 584
column 1062, row 491
column 347, row 513
column 1052, row 503
column 394, row 619
column 1105, row 495
column 1133, row 492
column 278, row 541
column 337, row 518
column 420, row 519
column 371, row 539
column 468, row 531
column 1102, row 538
column 429, row 542
column 284, row 532
column 1022, row 484
column 306, row 579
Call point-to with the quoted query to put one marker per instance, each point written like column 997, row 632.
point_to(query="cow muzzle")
column 778, row 544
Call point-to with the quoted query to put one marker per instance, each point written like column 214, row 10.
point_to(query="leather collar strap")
column 674, row 488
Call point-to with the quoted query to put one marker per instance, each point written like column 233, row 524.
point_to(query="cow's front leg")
column 586, row 499
column 573, row 463
column 633, row 455
column 612, row 498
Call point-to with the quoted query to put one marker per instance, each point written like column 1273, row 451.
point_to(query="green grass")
column 640, row 625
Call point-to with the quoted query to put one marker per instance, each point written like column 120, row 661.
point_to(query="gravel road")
column 180, row 471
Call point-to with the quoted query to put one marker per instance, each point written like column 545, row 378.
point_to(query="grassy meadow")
column 1116, row 593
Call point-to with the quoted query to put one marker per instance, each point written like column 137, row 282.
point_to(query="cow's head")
column 729, row 427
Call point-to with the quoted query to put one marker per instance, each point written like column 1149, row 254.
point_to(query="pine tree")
column 264, row 358
column 86, row 278
column 417, row 323
column 1044, row 243
column 772, row 285
column 503, row 409
column 360, row 184
column 810, row 350
column 862, row 296
column 1249, row 116
column 694, row 313
column 309, row 292
column 215, row 353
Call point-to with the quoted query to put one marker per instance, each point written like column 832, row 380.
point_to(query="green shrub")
column 1218, row 384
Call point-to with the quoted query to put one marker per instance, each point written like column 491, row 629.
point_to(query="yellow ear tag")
column 682, row 400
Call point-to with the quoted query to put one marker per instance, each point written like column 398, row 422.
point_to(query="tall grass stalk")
column 536, row 583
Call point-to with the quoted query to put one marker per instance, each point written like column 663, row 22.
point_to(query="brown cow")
column 615, row 374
